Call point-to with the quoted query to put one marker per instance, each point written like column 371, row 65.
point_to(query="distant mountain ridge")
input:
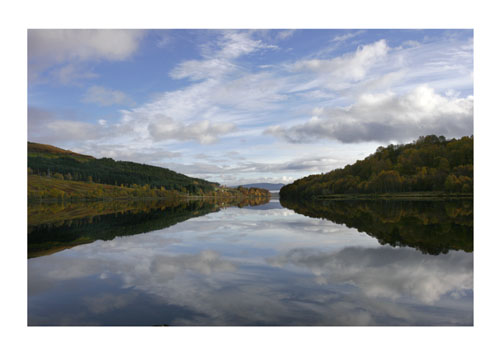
column 267, row 186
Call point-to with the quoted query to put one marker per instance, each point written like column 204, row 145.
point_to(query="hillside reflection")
column 432, row 227
column 53, row 227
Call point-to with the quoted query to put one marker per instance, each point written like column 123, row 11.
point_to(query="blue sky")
column 239, row 106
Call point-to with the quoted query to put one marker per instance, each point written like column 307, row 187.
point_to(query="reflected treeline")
column 433, row 227
column 54, row 227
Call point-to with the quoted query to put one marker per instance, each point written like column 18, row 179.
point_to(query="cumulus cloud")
column 165, row 128
column 233, row 98
column 105, row 97
column 48, row 48
column 48, row 127
column 386, row 117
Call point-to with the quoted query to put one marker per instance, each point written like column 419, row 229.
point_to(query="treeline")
column 253, row 192
column 46, row 160
column 429, row 164
column 57, row 188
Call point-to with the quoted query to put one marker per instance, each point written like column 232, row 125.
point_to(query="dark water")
column 201, row 263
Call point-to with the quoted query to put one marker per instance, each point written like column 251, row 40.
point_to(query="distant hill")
column 267, row 186
column 429, row 164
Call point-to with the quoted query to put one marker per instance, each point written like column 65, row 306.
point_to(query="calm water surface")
column 330, row 263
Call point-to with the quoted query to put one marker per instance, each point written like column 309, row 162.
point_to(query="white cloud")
column 220, row 61
column 285, row 34
column 165, row 128
column 233, row 93
column 82, row 44
column 349, row 35
column 48, row 48
column 105, row 97
column 201, row 69
column 47, row 127
column 351, row 66
column 74, row 130
column 385, row 117
column 244, row 171
column 71, row 72
column 155, row 155
column 235, row 44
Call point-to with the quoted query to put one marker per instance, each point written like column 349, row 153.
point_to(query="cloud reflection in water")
column 253, row 267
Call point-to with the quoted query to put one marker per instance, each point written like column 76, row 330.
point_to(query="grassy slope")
column 52, row 188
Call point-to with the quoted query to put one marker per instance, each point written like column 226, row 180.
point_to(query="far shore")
column 140, row 198
column 432, row 195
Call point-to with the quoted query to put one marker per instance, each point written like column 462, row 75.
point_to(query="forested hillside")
column 54, row 173
column 49, row 160
column 429, row 164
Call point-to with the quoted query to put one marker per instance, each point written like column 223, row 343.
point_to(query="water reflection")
column 54, row 227
column 433, row 227
column 386, row 272
column 248, row 266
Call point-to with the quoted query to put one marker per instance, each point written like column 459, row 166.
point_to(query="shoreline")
column 393, row 196
column 178, row 198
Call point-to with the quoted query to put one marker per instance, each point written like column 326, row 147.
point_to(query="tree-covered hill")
column 47, row 160
column 429, row 164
